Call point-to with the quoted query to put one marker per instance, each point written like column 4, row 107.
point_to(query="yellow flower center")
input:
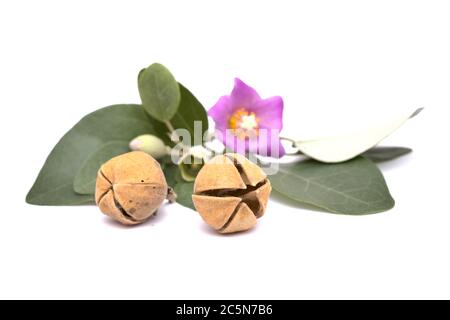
column 244, row 124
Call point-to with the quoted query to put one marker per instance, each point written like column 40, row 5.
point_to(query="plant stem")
column 171, row 195
column 289, row 140
column 171, row 130
column 169, row 126
column 292, row 141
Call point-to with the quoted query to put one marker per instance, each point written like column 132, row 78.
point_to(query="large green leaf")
column 354, row 187
column 86, row 176
column 380, row 154
column 172, row 173
column 184, row 191
column 159, row 91
column 54, row 184
column 190, row 110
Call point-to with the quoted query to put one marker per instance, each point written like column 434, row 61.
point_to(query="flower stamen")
column 244, row 124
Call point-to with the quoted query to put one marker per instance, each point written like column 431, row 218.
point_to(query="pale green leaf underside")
column 344, row 147
column 355, row 187
column 86, row 176
column 54, row 184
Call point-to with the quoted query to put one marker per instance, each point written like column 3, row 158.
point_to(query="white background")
column 337, row 64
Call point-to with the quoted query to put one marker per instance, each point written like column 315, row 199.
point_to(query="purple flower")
column 247, row 123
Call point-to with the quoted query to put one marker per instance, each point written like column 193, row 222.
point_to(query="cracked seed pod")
column 230, row 193
column 131, row 187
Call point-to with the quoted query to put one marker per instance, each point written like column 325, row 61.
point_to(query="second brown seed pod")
column 230, row 193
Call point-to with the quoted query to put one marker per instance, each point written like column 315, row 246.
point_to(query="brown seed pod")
column 131, row 187
column 230, row 193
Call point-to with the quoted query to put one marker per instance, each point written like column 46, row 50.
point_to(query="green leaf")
column 172, row 173
column 380, row 154
column 159, row 91
column 86, row 176
column 184, row 191
column 355, row 187
column 54, row 184
column 190, row 110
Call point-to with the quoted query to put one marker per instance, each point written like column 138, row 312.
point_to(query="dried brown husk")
column 230, row 193
column 130, row 187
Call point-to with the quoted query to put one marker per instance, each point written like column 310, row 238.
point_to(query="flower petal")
column 231, row 141
column 269, row 112
column 266, row 144
column 220, row 112
column 277, row 145
column 243, row 96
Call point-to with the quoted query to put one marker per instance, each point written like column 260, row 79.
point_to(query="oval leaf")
column 86, row 176
column 345, row 147
column 54, row 184
column 355, row 187
column 159, row 91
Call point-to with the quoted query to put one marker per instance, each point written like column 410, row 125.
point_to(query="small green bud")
column 150, row 144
